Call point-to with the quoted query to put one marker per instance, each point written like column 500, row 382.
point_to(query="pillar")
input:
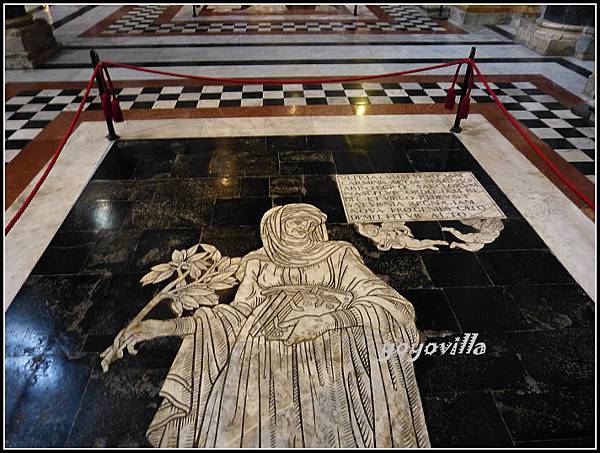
column 28, row 42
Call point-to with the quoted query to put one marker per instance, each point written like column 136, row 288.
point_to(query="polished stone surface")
column 536, row 321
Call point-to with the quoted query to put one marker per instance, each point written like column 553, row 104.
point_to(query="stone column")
column 558, row 30
column 28, row 42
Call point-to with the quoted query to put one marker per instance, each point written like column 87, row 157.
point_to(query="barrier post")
column 464, row 87
column 112, row 135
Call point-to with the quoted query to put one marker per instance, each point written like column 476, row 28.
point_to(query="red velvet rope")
column 531, row 143
column 456, row 75
column 282, row 81
column 103, row 64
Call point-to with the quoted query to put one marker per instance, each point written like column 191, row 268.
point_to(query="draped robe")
column 229, row 386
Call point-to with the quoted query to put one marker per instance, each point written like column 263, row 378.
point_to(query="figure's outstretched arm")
column 143, row 331
column 309, row 327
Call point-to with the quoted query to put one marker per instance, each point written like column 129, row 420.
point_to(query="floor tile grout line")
column 447, row 299
column 497, row 406
column 79, row 407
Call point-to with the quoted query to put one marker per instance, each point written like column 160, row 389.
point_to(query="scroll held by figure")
column 295, row 360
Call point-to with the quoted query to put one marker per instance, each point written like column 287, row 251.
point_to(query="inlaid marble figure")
column 486, row 232
column 297, row 358
column 396, row 235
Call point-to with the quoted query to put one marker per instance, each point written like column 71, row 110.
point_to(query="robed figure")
column 298, row 358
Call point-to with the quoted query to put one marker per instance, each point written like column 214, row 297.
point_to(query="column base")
column 548, row 38
column 28, row 43
column 488, row 14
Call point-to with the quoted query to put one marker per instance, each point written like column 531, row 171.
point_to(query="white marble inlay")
column 266, row 346
column 383, row 197
column 569, row 234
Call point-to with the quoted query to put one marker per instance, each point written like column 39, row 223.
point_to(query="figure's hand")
column 131, row 335
column 306, row 328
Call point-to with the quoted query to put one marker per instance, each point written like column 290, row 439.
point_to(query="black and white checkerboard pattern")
column 141, row 20
column 412, row 17
column 138, row 20
column 572, row 137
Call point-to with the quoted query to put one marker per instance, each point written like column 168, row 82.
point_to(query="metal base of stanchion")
column 456, row 130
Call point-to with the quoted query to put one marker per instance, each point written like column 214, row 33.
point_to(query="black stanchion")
column 464, row 88
column 441, row 14
column 112, row 135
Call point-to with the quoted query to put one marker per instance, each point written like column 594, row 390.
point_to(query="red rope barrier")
column 50, row 165
column 102, row 64
column 529, row 141
column 282, row 81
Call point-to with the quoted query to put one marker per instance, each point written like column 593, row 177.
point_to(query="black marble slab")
column 532, row 387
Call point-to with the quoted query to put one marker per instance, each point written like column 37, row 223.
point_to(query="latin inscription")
column 384, row 197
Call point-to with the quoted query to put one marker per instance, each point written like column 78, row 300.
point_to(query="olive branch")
column 198, row 275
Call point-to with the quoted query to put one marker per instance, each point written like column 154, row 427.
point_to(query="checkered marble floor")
column 141, row 19
column 412, row 17
column 569, row 135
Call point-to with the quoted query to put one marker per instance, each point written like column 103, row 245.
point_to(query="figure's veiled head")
column 293, row 225
column 295, row 234
column 297, row 227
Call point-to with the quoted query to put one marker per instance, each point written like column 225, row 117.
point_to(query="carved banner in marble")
column 404, row 197
column 380, row 204
column 295, row 360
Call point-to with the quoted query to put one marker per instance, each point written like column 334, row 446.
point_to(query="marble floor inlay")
column 423, row 196
column 380, row 204
column 231, row 301
column 308, row 318
column 284, row 264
